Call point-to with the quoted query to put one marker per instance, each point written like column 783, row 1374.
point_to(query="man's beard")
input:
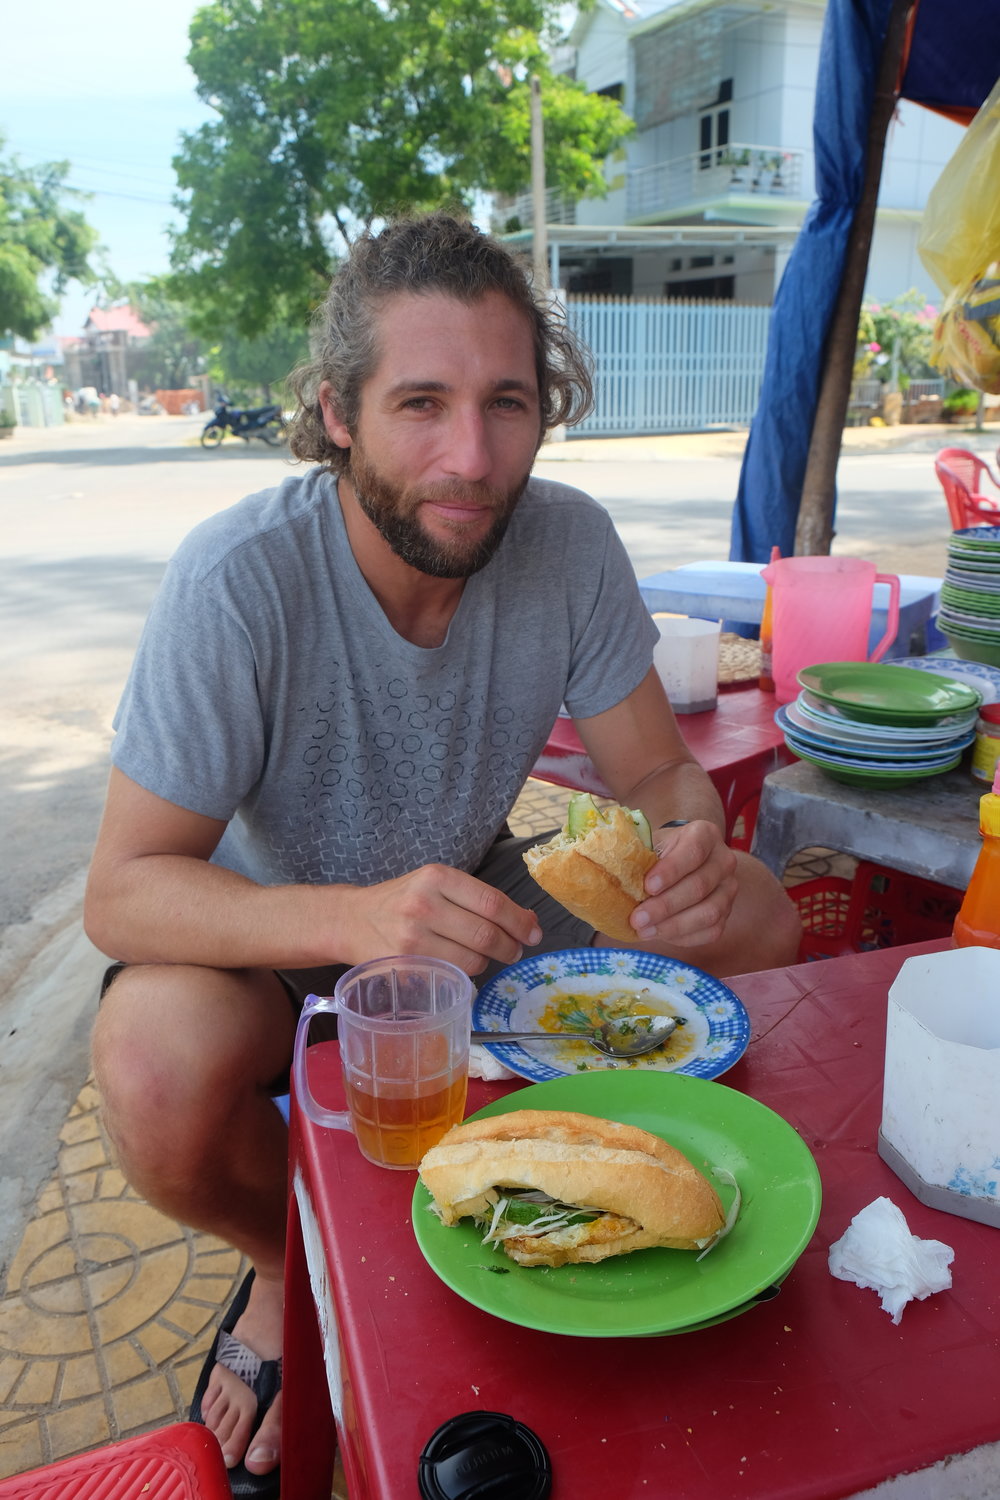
column 395, row 512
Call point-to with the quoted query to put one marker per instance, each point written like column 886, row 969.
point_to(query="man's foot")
column 239, row 1395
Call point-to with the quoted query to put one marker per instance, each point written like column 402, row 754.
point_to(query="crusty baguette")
column 652, row 1193
column 598, row 876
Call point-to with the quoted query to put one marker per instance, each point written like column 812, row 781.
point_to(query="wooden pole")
column 814, row 529
column 540, row 243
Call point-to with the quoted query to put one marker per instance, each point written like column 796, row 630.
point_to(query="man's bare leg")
column 183, row 1058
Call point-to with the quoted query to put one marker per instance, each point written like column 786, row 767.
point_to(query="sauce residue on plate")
column 572, row 1011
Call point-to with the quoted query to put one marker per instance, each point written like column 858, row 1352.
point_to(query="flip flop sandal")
column 263, row 1376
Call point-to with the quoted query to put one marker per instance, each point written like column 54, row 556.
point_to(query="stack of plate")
column 969, row 616
column 871, row 724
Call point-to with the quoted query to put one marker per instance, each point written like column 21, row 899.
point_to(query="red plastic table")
column 814, row 1395
column 180, row 1462
column 737, row 743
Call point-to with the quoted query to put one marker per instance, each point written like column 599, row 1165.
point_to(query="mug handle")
column 892, row 617
column 333, row 1119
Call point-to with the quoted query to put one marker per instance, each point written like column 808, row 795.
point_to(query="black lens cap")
column 484, row 1455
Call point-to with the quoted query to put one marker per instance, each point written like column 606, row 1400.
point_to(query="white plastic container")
column 687, row 659
column 940, row 1117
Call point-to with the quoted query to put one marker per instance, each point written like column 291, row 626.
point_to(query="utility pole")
column 540, row 244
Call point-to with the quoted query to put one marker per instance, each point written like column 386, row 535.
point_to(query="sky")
column 108, row 89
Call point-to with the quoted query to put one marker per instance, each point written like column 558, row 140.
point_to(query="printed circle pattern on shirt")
column 380, row 770
column 270, row 692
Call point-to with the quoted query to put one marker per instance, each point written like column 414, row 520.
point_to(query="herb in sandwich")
column 520, row 1212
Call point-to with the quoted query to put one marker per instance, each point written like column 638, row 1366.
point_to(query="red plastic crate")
column 879, row 908
column 179, row 1462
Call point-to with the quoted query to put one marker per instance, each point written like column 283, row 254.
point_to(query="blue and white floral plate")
column 581, row 987
column 984, row 678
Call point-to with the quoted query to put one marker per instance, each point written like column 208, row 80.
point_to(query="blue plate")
column 578, row 988
column 942, row 757
column 856, row 752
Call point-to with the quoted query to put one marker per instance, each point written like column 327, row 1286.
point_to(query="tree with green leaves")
column 40, row 234
column 249, row 369
column 335, row 113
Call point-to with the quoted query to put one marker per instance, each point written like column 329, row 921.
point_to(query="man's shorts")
column 503, row 868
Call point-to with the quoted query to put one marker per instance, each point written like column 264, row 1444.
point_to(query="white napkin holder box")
column 941, row 1098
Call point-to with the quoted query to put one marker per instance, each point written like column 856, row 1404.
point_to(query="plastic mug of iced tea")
column 403, row 1025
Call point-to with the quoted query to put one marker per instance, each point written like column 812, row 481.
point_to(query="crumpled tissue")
column 878, row 1251
column 482, row 1064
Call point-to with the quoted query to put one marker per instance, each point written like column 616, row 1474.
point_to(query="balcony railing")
column 511, row 214
column 726, row 172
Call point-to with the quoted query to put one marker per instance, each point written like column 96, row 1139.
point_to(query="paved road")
column 89, row 515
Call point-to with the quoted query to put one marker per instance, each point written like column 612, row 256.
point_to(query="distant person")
column 341, row 689
column 114, row 403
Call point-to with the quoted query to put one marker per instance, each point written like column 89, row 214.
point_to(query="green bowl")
column 978, row 650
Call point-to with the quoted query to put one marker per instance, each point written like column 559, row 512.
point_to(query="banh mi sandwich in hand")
column 597, row 865
column 556, row 1188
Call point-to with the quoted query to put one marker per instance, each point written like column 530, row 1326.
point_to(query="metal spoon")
column 629, row 1036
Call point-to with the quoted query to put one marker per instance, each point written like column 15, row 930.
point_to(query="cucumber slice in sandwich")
column 583, row 814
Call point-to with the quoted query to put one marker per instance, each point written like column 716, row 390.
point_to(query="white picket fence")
column 32, row 403
column 670, row 366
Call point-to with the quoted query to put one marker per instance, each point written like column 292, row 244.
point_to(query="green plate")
column 876, row 693
column 861, row 776
column 649, row 1291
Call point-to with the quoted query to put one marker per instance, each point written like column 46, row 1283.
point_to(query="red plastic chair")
column 179, row 1462
column 961, row 474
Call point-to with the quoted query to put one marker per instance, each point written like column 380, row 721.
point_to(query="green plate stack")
column 969, row 617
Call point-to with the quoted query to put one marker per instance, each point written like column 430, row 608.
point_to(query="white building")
column 707, row 195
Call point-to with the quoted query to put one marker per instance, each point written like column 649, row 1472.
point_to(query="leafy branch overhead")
column 335, row 113
column 40, row 235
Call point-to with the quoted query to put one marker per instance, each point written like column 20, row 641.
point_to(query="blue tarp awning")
column 952, row 63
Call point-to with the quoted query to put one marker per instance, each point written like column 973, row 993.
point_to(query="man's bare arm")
column 153, row 897
column 641, row 755
column 639, row 752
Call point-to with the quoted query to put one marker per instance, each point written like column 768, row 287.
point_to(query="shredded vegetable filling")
column 527, row 1212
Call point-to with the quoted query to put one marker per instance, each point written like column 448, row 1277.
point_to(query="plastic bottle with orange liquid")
column 978, row 921
column 766, row 681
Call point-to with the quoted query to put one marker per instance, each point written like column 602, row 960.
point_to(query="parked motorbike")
column 264, row 422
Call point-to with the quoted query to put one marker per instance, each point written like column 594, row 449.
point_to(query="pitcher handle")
column 333, row 1119
column 892, row 618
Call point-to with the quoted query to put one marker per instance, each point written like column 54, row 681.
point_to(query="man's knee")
column 771, row 925
column 175, row 1037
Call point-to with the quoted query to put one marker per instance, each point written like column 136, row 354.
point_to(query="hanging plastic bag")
column 960, row 246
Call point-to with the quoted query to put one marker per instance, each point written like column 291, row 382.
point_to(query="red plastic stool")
column 180, row 1462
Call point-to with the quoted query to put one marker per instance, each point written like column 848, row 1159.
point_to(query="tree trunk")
column 814, row 529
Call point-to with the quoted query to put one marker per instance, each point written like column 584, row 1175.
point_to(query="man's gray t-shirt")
column 270, row 691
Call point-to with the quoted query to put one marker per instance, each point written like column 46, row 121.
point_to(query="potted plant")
column 960, row 405
column 736, row 159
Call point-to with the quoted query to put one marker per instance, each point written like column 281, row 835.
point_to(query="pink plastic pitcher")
column 822, row 611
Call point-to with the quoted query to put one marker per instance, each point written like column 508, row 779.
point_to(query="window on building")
column 713, row 127
column 613, row 91
column 704, row 289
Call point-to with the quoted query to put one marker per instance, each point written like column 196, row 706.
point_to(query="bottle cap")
column 990, row 713
column 485, row 1454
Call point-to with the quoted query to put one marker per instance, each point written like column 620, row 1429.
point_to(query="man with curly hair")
column 342, row 687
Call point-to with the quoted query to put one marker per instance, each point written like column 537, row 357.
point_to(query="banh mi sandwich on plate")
column 554, row 1188
column 596, row 867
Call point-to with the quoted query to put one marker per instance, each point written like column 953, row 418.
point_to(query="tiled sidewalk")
column 109, row 1307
